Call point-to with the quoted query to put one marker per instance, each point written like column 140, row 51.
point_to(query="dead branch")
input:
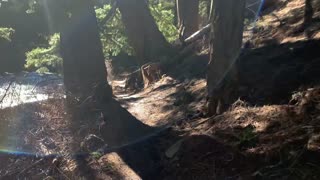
column 30, row 167
column 197, row 35
column 190, row 42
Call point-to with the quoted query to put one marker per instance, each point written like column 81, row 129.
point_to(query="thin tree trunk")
column 85, row 72
column 225, row 45
column 188, row 17
column 146, row 39
column 175, row 20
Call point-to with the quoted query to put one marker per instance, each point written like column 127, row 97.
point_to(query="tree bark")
column 143, row 34
column 308, row 12
column 188, row 17
column 225, row 44
column 85, row 78
column 85, row 72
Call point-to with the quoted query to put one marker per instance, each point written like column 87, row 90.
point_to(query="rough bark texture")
column 308, row 13
column 225, row 45
column 85, row 79
column 146, row 39
column 85, row 72
column 188, row 17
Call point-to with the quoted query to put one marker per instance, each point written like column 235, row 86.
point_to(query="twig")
column 31, row 166
column 197, row 35
column 6, row 91
column 61, row 172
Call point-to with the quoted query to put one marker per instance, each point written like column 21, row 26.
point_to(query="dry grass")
column 283, row 137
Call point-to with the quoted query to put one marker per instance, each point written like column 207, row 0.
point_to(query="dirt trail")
column 46, row 131
column 154, row 105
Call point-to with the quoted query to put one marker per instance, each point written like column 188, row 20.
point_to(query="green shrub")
column 6, row 33
column 248, row 138
column 45, row 59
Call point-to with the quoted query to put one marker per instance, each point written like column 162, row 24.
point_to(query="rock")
column 92, row 143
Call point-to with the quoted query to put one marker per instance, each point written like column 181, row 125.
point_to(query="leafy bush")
column 47, row 59
column 6, row 33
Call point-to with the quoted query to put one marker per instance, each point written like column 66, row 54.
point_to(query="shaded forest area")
column 159, row 89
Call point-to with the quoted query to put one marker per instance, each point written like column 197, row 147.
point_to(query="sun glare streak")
column 254, row 22
column 7, row 151
column 48, row 15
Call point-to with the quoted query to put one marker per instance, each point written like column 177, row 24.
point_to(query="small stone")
column 56, row 162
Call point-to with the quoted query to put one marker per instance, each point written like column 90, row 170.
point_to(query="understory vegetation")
column 45, row 59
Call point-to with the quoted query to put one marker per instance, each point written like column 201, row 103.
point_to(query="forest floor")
column 271, row 132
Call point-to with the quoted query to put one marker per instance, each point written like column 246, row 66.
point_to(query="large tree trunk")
column 85, row 72
column 188, row 17
column 226, row 40
column 146, row 39
column 85, row 76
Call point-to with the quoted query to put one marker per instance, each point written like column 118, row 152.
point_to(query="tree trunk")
column 85, row 78
column 144, row 36
column 188, row 17
column 225, row 45
column 308, row 13
column 175, row 19
column 85, row 72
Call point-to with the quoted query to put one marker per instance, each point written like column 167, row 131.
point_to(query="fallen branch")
column 197, row 35
column 31, row 166
column 63, row 174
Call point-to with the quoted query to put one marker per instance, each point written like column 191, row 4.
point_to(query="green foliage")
column 6, row 33
column 204, row 12
column 112, row 33
column 47, row 59
column 248, row 137
column 96, row 155
column 164, row 18
column 203, row 9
